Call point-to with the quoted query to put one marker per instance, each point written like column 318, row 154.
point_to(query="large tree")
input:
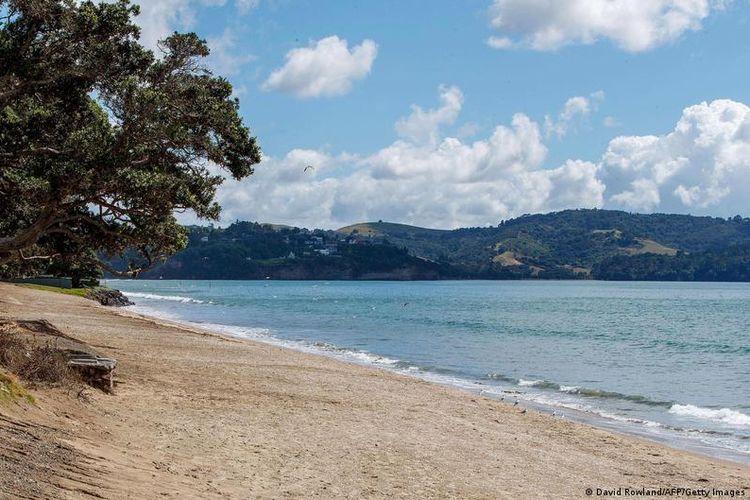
column 102, row 141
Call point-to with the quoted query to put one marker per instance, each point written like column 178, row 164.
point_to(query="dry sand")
column 202, row 416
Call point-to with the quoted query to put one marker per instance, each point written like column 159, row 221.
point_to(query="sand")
column 198, row 415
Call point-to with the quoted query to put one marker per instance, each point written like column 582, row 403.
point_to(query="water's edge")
column 611, row 423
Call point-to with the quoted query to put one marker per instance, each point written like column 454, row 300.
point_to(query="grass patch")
column 12, row 390
column 78, row 292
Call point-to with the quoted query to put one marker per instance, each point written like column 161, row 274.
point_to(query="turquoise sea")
column 668, row 361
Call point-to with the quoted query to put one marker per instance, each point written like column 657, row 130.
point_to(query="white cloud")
column 633, row 25
column 468, row 129
column 159, row 18
column 501, row 42
column 575, row 109
column 422, row 178
column 325, row 68
column 245, row 6
column 611, row 122
column 704, row 163
column 224, row 58
column 423, row 126
column 430, row 179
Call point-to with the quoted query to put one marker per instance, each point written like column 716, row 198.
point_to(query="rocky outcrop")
column 109, row 297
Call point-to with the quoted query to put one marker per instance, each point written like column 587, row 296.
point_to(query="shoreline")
column 515, row 280
column 245, row 417
column 600, row 421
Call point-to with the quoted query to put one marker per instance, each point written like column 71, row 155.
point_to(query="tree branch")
column 25, row 238
column 36, row 257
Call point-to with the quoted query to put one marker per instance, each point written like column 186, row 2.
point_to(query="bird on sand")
column 523, row 411
column 515, row 403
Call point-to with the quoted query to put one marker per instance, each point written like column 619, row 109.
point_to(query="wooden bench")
column 97, row 368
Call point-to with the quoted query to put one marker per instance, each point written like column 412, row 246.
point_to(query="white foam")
column 265, row 335
column 360, row 356
column 724, row 415
column 172, row 298
column 246, row 332
column 631, row 420
column 154, row 313
column 529, row 383
column 592, row 410
column 569, row 388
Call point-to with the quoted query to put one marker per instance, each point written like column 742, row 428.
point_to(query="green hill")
column 569, row 244
column 572, row 244
column 391, row 229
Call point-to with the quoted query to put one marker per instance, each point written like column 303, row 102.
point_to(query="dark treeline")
column 731, row 264
column 573, row 244
column 248, row 250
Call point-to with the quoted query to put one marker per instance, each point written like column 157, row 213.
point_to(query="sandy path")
column 202, row 416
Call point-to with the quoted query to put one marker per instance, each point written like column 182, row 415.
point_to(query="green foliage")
column 730, row 264
column 101, row 141
column 561, row 242
column 254, row 251
column 77, row 292
column 81, row 266
column 573, row 244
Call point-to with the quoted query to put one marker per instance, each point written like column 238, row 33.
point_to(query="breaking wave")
column 172, row 298
column 722, row 415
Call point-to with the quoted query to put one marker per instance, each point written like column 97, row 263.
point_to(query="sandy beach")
column 198, row 415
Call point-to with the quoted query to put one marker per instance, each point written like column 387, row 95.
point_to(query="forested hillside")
column 573, row 244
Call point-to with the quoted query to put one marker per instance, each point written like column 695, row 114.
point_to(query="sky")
column 450, row 114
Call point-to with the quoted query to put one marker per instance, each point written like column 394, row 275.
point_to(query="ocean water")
column 667, row 361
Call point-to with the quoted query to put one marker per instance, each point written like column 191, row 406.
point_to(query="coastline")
column 202, row 414
column 631, row 426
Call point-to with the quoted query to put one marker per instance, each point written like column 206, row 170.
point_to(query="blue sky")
column 524, row 106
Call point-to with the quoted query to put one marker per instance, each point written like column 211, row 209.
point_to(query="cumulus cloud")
column 429, row 179
column 703, row 163
column 423, row 126
column 576, row 108
column 422, row 178
column 325, row 68
column 633, row 25
column 468, row 129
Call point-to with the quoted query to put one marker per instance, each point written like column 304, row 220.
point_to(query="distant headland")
column 571, row 244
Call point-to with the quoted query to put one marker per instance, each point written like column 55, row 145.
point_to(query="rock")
column 109, row 297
